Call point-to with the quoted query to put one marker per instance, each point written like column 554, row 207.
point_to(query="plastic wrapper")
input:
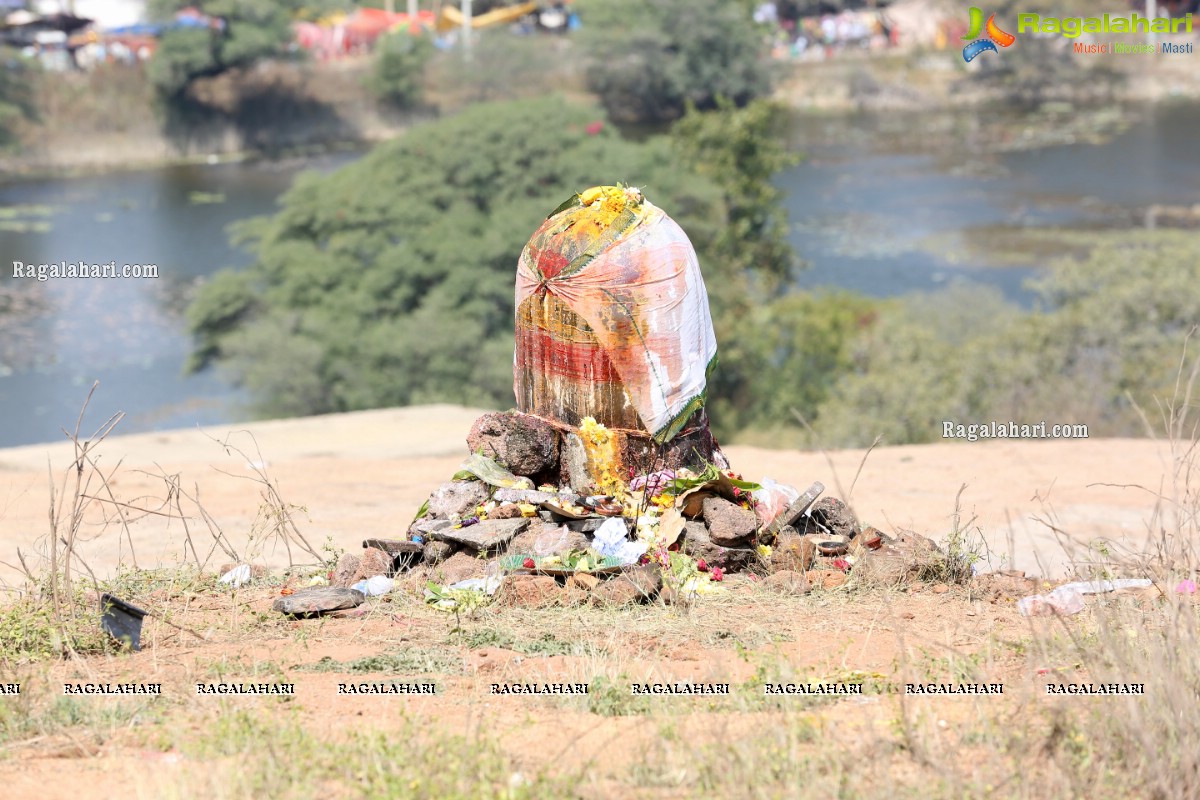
column 772, row 500
column 612, row 317
column 610, row 540
column 1064, row 601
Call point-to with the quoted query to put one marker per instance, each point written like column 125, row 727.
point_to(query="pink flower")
column 702, row 565
column 594, row 128
column 1186, row 587
column 842, row 564
column 717, row 574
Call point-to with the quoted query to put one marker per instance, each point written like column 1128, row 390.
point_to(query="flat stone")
column 798, row 507
column 396, row 547
column 589, row 525
column 483, row 536
column 729, row 525
column 457, row 499
column 532, row 496
column 526, row 542
column 426, row 526
column 318, row 600
column 522, row 444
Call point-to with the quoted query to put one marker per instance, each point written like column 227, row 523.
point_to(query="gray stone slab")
column 318, row 600
column 483, row 536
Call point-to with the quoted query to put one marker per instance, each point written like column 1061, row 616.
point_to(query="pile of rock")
column 814, row 542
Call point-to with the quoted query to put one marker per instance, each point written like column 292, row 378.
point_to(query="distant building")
column 105, row 13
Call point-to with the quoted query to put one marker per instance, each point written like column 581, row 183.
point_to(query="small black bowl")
column 832, row 548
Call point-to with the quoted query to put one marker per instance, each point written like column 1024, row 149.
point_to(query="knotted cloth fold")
column 612, row 317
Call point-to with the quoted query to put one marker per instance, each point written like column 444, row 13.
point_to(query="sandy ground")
column 365, row 474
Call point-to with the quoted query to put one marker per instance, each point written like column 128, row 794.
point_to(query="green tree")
column 252, row 30
column 390, row 282
column 648, row 59
column 397, row 76
column 16, row 96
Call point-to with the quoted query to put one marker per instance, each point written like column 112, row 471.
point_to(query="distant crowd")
column 824, row 36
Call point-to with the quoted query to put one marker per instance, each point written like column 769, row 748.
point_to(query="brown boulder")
column 345, row 574
column 729, row 525
column 374, row 562
column 698, row 544
column 437, row 552
column 633, row 585
column 906, row 558
column 830, row 515
column 788, row 582
column 792, row 552
column 523, row 444
column 825, row 578
column 459, row 567
column 529, row 591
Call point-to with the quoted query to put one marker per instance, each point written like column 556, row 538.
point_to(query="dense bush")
column 648, row 59
column 1107, row 339
column 397, row 75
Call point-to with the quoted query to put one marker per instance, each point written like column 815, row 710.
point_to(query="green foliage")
column 1109, row 337
column 390, row 282
column 16, row 96
column 648, row 59
column 400, row 60
column 254, row 30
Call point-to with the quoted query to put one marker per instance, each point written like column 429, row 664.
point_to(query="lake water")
column 873, row 208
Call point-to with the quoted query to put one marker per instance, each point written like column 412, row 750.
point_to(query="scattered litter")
column 238, row 576
column 1187, row 586
column 487, row 585
column 491, row 473
column 376, row 586
column 772, row 500
column 318, row 580
column 1099, row 587
column 122, row 621
column 610, row 541
column 1064, row 601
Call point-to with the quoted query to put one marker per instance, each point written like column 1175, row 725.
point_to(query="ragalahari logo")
column 995, row 36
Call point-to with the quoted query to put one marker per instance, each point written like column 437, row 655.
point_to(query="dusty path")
column 364, row 474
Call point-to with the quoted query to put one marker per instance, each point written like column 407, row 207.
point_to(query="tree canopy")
column 648, row 59
column 390, row 282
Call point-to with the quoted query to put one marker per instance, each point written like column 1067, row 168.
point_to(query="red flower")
column 702, row 565
column 718, row 574
column 842, row 564
column 594, row 128
column 528, row 563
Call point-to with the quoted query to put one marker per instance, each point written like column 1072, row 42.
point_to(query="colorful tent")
column 612, row 317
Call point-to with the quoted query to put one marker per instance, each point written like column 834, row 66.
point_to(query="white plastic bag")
column 237, row 576
column 376, row 586
column 1064, row 601
column 610, row 541
column 772, row 500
